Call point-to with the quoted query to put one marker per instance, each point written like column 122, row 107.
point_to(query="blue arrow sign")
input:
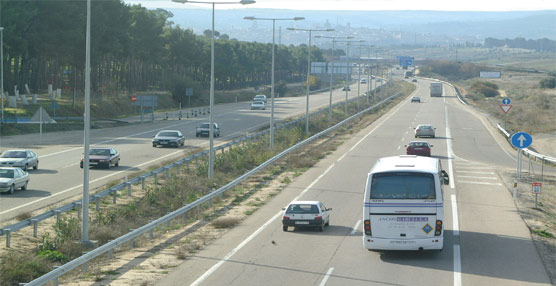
column 521, row 140
column 506, row 101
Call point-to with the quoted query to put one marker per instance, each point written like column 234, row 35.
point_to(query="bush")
column 52, row 255
column 487, row 89
column 281, row 88
column 225, row 222
column 548, row 83
column 21, row 268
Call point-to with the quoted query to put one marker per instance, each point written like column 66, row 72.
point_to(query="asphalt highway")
column 485, row 240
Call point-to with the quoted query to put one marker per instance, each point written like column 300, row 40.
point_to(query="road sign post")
column 189, row 94
column 506, row 106
column 536, row 189
column 520, row 140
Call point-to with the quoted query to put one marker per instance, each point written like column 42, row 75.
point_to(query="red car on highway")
column 419, row 148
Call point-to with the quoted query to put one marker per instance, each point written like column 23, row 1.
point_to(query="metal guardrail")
column 527, row 151
column 129, row 237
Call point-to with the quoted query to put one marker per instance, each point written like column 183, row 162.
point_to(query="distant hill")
column 394, row 27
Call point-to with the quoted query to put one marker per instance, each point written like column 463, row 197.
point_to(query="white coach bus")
column 403, row 208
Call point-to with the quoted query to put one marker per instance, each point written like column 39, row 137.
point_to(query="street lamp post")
column 86, row 132
column 211, row 107
column 309, row 71
column 272, row 80
column 332, row 70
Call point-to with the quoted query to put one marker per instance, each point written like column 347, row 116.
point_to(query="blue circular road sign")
column 521, row 140
column 506, row 101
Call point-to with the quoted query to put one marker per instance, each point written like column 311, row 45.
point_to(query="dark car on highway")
column 203, row 130
column 419, row 148
column 102, row 158
column 172, row 138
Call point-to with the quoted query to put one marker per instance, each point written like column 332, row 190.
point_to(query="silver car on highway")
column 23, row 159
column 424, row 130
column 12, row 179
column 258, row 105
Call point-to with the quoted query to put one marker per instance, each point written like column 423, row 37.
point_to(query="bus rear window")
column 402, row 185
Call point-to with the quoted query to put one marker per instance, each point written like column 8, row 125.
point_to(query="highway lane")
column 486, row 242
column 59, row 176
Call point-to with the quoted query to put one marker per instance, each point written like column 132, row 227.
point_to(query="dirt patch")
column 540, row 220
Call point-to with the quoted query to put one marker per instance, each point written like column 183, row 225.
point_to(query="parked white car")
column 306, row 214
column 23, row 159
column 12, row 179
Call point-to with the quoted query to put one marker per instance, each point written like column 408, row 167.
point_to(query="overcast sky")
column 442, row 5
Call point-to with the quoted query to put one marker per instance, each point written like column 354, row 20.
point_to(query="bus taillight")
column 367, row 226
column 438, row 229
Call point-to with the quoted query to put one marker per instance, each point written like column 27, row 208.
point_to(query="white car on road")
column 12, row 179
column 306, row 214
column 23, row 159
column 258, row 105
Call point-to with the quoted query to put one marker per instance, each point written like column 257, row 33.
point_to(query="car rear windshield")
column 302, row 209
column 205, row 125
column 104, row 152
column 402, row 185
column 168, row 134
column 418, row 144
column 7, row 174
column 14, row 154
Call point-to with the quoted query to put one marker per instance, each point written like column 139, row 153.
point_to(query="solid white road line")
column 323, row 282
column 355, row 227
column 449, row 148
column 479, row 183
column 455, row 218
column 341, row 157
column 457, row 265
column 455, row 223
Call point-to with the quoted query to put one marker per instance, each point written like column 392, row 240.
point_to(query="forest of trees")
column 540, row 45
column 132, row 49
